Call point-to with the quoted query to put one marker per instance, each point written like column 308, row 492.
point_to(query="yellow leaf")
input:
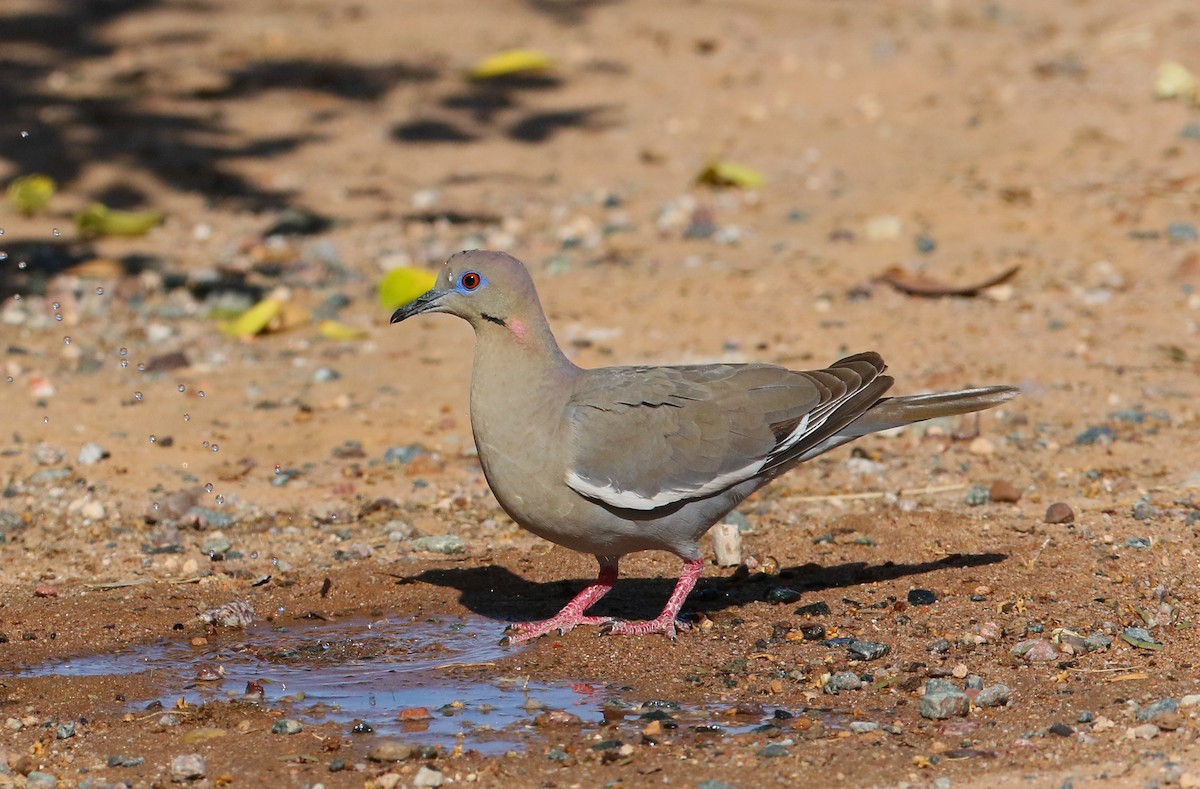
column 513, row 61
column 333, row 330
column 402, row 285
column 721, row 173
column 31, row 193
column 254, row 320
column 100, row 220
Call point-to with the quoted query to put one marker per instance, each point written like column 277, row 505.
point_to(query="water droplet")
column 24, row 135
column 182, row 388
column 208, row 487
column 200, row 393
column 56, row 306
column 66, row 340
column 254, row 554
column 22, row 264
column 204, row 444
column 16, row 297
column 58, row 316
column 9, row 379
column 215, row 447
column 56, row 233
column 141, row 367
column 156, row 506
column 124, row 351
column 137, row 395
column 278, row 470
column 187, row 417
column 124, row 363
column 45, row 420
column 153, row 439
column 220, row 499
column 99, row 291
column 3, row 256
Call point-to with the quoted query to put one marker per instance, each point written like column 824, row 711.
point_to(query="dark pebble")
column 1182, row 233
column 1096, row 434
column 921, row 597
column 813, row 632
column 868, row 650
column 1145, row 511
column 940, row 646
column 781, row 594
column 660, row 704
column 1061, row 729
column 772, row 750
column 925, row 244
column 1085, row 717
column 819, row 608
column 337, row 765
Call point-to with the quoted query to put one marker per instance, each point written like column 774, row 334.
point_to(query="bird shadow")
column 498, row 593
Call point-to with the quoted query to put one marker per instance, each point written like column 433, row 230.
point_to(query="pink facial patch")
column 518, row 328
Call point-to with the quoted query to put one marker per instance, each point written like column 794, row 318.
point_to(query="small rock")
column 1147, row 731
column 990, row 632
column 45, row 590
column 325, row 374
column 813, row 632
column 842, row 680
column 943, row 700
column 1004, row 492
column 91, row 454
column 40, row 780
column 993, row 696
column 771, row 751
column 712, row 783
column 867, row 650
column 1145, row 511
column 390, row 750
column 403, row 455
column 1182, row 233
column 921, row 597
column 45, row 454
column 441, row 543
column 1035, row 650
column 1061, row 730
column 940, row 646
column 237, row 613
column 427, row 778
column 1139, row 637
column 65, row 731
column 287, row 726
column 1158, row 709
column 818, row 608
column 187, row 767
column 974, row 682
column 1097, row 434
column 959, row 671
column 863, row 727
column 216, row 545
column 781, row 594
column 1190, row 700
column 1059, row 513
column 977, row 495
column 981, row 446
column 121, row 760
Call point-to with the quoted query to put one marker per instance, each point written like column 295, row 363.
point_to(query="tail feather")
column 890, row 412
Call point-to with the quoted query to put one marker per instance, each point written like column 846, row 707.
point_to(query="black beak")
column 427, row 302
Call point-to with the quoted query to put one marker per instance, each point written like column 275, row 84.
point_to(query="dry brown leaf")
column 921, row 285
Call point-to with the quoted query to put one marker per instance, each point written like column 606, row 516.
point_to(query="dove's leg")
column 572, row 613
column 664, row 622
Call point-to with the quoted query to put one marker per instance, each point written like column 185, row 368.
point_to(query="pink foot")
column 665, row 622
column 572, row 613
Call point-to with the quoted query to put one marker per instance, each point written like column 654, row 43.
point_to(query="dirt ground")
column 952, row 139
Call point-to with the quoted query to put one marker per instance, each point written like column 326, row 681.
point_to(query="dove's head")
column 484, row 288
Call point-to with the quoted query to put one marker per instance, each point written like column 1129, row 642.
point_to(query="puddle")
column 370, row 670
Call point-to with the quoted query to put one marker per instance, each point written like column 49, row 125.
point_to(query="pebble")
column 1138, row 637
column 740, row 520
column 40, row 780
column 712, row 783
column 959, row 671
column 867, row 650
column 1061, row 730
column 403, row 455
column 1147, row 731
column 1096, row 434
column 977, row 495
column 65, row 731
column 236, row 613
column 981, row 446
column 1158, row 709
column 814, row 632
column 1035, row 650
column 1004, row 492
column 1182, row 233
column 427, row 778
column 390, row 750
column 993, row 696
column 46, row 454
column 819, row 608
column 1190, row 700
column 772, row 750
column 990, row 632
column 921, row 597
column 187, row 767
column 121, row 760
column 91, row 454
column 842, row 680
column 1059, row 513
column 215, row 545
column 325, row 374
column 943, row 700
column 974, row 682
column 781, row 594
column 940, row 646
column 925, row 244
column 287, row 726
column 441, row 543
column 1145, row 511
column 863, row 727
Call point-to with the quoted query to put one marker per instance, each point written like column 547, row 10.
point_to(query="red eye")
column 469, row 281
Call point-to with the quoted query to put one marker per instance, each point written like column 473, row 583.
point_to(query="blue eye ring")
column 469, row 281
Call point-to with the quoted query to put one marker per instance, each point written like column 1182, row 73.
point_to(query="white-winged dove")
column 614, row 460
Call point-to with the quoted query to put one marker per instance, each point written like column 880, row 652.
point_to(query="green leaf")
column 401, row 285
column 100, row 220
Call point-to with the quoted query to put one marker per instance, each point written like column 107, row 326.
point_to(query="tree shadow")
column 498, row 593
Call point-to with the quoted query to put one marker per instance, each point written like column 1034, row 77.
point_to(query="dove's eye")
column 469, row 281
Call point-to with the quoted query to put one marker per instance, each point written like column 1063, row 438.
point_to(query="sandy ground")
column 952, row 139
